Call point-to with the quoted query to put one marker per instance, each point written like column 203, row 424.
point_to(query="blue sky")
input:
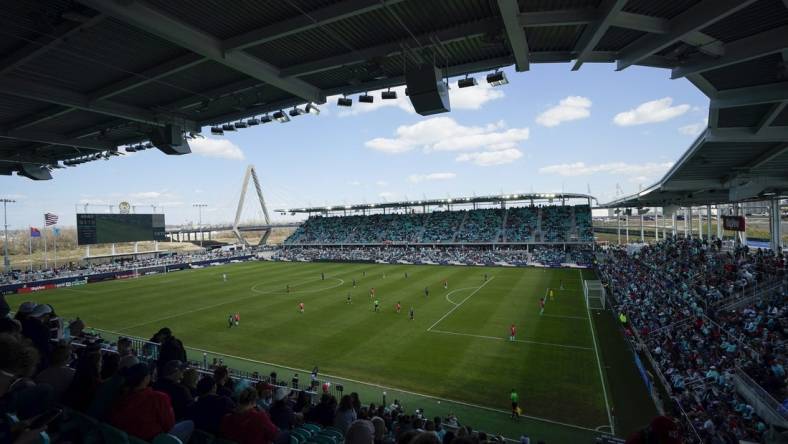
column 549, row 129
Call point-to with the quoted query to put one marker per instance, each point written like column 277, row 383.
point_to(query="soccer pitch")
column 456, row 348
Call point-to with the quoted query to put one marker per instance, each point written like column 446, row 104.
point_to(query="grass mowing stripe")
column 599, row 366
column 231, row 301
column 458, row 305
column 497, row 338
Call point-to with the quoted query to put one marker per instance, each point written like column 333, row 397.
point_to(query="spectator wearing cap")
column 169, row 382
column 144, row 412
column 58, row 375
column 282, row 414
column 209, row 409
column 24, row 310
column 246, row 424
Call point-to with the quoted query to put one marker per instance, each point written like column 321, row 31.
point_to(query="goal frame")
column 594, row 294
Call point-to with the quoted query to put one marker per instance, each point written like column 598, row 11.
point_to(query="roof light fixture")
column 265, row 119
column 467, row 82
column 388, row 95
column 366, row 98
column 497, row 78
column 253, row 121
column 217, row 130
column 311, row 108
column 296, row 111
column 241, row 124
column 281, row 117
column 344, row 101
column 228, row 127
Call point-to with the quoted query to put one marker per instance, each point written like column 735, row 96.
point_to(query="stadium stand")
column 559, row 224
column 137, row 391
column 684, row 302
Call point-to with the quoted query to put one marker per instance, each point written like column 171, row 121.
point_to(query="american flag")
column 50, row 219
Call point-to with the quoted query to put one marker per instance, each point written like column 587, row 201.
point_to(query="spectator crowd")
column 685, row 299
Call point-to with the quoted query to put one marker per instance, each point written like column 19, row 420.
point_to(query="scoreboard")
column 115, row 228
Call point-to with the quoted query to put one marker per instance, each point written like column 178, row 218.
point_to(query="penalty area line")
column 448, row 299
column 497, row 338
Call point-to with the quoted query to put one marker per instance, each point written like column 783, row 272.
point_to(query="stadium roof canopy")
column 78, row 78
column 447, row 202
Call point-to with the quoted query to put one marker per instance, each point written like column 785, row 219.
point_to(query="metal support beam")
column 751, row 95
column 694, row 19
column 55, row 139
column 569, row 17
column 461, row 32
column 770, row 115
column 775, row 230
column 45, row 42
column 708, row 222
column 51, row 94
column 172, row 29
column 595, row 31
column 738, row 51
column 719, row 221
column 773, row 134
column 515, row 33
column 306, row 21
column 766, row 157
column 703, row 85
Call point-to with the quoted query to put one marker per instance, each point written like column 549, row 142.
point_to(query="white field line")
column 257, row 293
column 497, row 338
column 456, row 306
column 383, row 387
column 599, row 367
column 583, row 318
column 454, row 291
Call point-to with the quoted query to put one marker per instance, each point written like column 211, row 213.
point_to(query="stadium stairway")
column 459, row 228
column 538, row 231
column 573, row 224
column 502, row 234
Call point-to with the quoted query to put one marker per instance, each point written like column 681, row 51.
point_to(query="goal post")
column 594, row 294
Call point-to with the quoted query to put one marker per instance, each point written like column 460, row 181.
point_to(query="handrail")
column 761, row 392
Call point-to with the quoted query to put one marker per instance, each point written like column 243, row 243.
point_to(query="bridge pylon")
column 251, row 173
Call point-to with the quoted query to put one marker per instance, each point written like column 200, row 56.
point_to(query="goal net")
column 594, row 293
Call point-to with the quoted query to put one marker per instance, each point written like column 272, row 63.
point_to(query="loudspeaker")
column 427, row 92
column 35, row 172
column 169, row 140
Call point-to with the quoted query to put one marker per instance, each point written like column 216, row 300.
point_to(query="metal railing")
column 775, row 411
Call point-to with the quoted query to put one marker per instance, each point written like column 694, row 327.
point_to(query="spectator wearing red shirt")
column 247, row 424
column 144, row 412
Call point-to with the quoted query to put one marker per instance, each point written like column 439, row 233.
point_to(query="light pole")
column 6, row 261
column 199, row 207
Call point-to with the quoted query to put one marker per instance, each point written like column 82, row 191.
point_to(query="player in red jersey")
column 512, row 332
column 541, row 306
column 301, row 306
column 399, row 307
column 237, row 318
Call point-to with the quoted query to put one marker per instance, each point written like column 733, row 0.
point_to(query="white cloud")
column 210, row 147
column 459, row 98
column 386, row 195
column 693, row 129
column 445, row 134
column 644, row 170
column 381, row 183
column 568, row 109
column 416, row 178
column 490, row 158
column 651, row 112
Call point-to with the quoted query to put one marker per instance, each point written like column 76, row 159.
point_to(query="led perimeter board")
column 115, row 228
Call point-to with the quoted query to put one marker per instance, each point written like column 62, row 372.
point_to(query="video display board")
column 116, row 228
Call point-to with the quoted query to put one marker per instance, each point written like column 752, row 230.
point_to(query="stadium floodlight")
column 388, row 95
column 467, row 82
column 311, row 108
column 366, row 98
column 241, row 124
column 130, row 149
column 344, row 101
column 148, row 146
column 296, row 111
column 228, row 127
column 265, row 119
column 217, row 131
column 281, row 117
column 253, row 121
column 497, row 78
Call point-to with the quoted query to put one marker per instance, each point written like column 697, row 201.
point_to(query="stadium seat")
column 314, row 428
column 302, row 437
column 113, row 435
column 166, row 438
column 202, row 437
column 84, row 425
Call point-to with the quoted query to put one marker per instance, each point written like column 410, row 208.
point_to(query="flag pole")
column 44, row 238
column 30, row 248
column 54, row 240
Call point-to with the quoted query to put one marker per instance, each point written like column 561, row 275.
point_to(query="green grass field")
column 455, row 349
